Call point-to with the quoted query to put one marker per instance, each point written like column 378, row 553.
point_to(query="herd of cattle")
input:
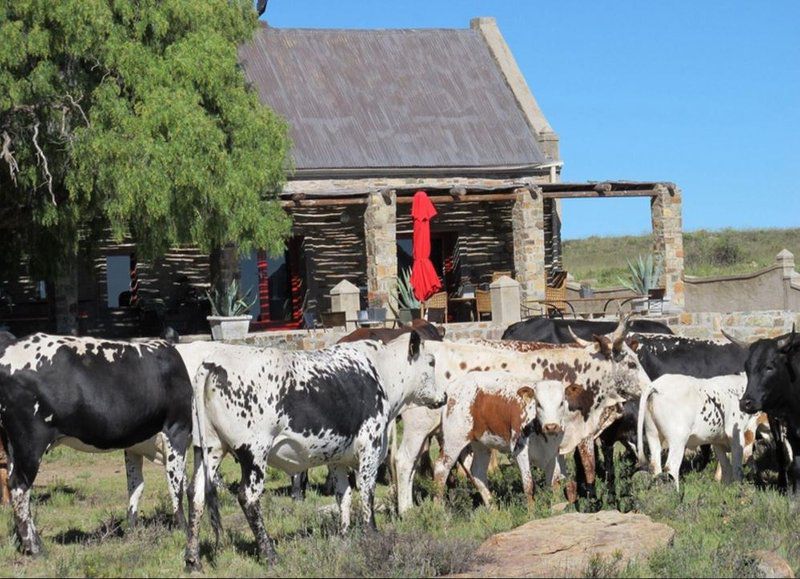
column 547, row 389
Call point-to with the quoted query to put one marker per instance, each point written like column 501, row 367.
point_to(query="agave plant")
column 405, row 291
column 644, row 275
column 229, row 301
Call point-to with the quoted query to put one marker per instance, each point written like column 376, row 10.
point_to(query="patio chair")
column 483, row 303
column 310, row 321
column 436, row 308
column 555, row 295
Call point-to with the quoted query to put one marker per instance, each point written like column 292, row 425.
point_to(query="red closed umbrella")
column 423, row 275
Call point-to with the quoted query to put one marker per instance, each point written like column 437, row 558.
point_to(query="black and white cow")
column 92, row 395
column 295, row 410
column 773, row 386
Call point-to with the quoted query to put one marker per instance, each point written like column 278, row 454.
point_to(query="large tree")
column 134, row 116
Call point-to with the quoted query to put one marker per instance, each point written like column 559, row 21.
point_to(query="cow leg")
column 299, row 485
column 480, row 469
column 442, row 467
column 524, row 464
column 251, row 487
column 677, row 448
column 653, row 444
column 5, row 493
column 23, row 464
column 344, row 494
column 197, row 500
column 607, row 448
column 176, row 441
column 133, row 471
column 726, row 472
column 367, row 479
column 585, row 464
column 419, row 424
column 781, row 456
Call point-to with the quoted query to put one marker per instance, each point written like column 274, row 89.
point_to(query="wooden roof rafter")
column 488, row 193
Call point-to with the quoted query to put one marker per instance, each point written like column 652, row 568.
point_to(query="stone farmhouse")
column 375, row 116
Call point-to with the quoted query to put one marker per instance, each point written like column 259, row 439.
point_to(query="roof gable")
column 390, row 99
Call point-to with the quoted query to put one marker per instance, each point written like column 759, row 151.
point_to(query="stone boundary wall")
column 708, row 325
column 776, row 287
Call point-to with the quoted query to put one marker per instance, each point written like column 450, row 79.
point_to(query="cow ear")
column 791, row 342
column 634, row 344
column 527, row 394
column 442, row 331
column 414, row 343
column 603, row 345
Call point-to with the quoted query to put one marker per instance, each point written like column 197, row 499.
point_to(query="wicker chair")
column 333, row 319
column 435, row 308
column 555, row 294
column 483, row 303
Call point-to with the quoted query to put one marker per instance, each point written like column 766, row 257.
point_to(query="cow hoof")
column 194, row 567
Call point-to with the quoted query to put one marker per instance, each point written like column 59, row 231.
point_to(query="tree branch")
column 8, row 156
column 43, row 161
column 78, row 106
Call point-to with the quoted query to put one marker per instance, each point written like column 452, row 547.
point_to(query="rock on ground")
column 564, row 545
column 770, row 564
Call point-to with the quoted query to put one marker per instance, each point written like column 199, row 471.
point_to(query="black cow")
column 556, row 331
column 93, row 395
column 773, row 386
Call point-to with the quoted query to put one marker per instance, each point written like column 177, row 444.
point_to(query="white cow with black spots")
column 680, row 412
column 295, row 410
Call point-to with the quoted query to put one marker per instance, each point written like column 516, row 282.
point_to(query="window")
column 118, row 280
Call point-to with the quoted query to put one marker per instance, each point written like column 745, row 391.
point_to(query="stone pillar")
column 65, row 291
column 380, row 235
column 527, row 220
column 505, row 301
column 345, row 298
column 665, row 210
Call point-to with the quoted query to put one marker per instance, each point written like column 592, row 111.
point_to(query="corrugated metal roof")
column 390, row 99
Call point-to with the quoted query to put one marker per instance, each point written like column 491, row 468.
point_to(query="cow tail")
column 212, row 500
column 640, row 425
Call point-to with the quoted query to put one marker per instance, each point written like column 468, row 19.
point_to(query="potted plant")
column 409, row 305
column 643, row 278
column 229, row 319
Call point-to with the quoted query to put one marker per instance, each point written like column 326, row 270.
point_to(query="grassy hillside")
column 707, row 253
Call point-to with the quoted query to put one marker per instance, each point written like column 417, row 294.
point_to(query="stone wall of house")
column 333, row 249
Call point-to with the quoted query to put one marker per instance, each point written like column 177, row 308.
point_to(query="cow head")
column 628, row 375
column 551, row 406
column 771, row 371
column 419, row 373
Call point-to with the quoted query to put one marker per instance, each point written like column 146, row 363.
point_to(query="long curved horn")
column 622, row 327
column 577, row 340
column 733, row 340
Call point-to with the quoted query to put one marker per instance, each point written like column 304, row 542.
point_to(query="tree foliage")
column 134, row 116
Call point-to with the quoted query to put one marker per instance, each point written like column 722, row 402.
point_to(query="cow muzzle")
column 748, row 405
column 439, row 403
column 552, row 428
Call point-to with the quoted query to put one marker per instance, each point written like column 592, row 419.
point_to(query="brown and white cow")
column 497, row 411
column 599, row 377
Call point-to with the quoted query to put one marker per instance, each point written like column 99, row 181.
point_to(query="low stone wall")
column 709, row 325
column 773, row 288
column 746, row 326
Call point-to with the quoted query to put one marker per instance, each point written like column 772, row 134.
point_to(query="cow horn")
column 741, row 343
column 622, row 327
column 577, row 340
column 789, row 341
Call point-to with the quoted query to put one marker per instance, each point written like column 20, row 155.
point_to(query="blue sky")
column 705, row 93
